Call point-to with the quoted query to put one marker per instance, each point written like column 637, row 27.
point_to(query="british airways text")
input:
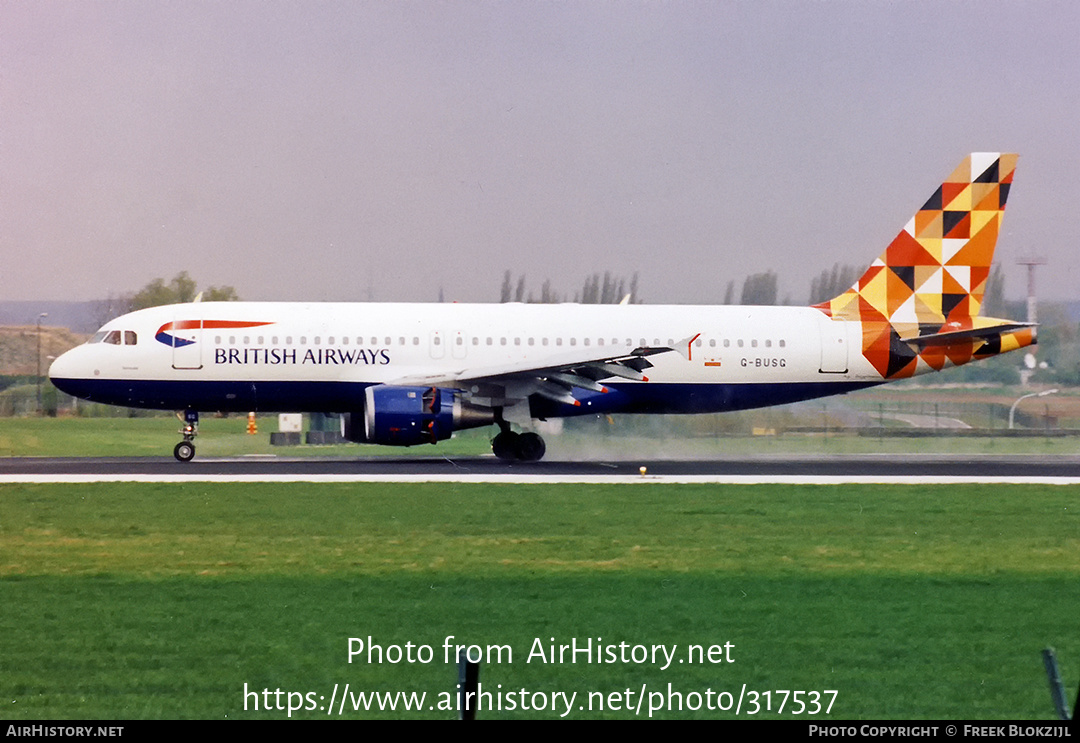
column 291, row 356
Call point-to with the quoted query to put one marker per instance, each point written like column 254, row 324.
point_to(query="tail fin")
column 936, row 268
column 930, row 281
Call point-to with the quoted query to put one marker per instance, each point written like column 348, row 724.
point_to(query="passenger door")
column 187, row 343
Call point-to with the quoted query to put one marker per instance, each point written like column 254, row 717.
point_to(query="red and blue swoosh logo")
column 172, row 341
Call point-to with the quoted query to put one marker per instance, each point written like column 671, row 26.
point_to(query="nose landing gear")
column 185, row 450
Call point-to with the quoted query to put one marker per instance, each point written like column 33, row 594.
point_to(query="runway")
column 788, row 469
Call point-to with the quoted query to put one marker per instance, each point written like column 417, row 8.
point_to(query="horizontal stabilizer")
column 954, row 337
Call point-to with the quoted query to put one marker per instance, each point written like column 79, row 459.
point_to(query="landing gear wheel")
column 530, row 447
column 184, row 451
column 505, row 446
column 518, row 447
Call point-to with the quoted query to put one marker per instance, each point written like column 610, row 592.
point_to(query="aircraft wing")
column 555, row 378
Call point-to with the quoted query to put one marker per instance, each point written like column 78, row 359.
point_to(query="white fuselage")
column 320, row 356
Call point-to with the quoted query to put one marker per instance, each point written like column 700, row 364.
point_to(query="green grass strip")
column 141, row 600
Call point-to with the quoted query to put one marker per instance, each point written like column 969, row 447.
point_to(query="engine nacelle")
column 406, row 416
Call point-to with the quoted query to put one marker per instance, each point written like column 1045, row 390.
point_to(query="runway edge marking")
column 511, row 479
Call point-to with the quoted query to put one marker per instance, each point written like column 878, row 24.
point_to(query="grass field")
column 141, row 600
column 227, row 437
column 156, row 436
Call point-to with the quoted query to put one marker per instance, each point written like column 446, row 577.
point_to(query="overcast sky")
column 347, row 150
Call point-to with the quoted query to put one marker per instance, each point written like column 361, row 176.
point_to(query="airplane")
column 408, row 374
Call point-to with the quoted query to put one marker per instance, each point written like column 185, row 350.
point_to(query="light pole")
column 1012, row 410
column 41, row 317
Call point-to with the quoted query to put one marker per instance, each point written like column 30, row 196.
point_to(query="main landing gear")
column 517, row 447
column 185, row 450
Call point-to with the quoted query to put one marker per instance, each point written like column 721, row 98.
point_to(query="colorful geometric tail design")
column 932, row 277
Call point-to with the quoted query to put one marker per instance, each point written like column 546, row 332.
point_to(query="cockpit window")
column 115, row 337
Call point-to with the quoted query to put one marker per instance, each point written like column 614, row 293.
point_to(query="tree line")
column 178, row 290
column 757, row 289
column 596, row 290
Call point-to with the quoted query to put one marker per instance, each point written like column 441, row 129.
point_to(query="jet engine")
column 405, row 416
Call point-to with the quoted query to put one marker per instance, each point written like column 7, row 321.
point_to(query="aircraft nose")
column 67, row 367
column 61, row 366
